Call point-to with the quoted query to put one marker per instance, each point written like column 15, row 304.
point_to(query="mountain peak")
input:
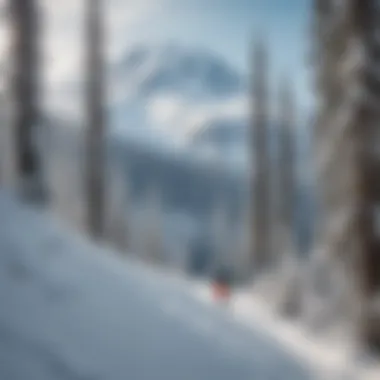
column 190, row 72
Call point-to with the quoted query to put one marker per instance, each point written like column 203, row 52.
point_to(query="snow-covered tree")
column 359, row 134
column 95, row 144
column 64, row 176
column 25, row 21
column 241, row 248
column 153, row 229
column 289, row 297
column 260, row 155
column 324, row 273
column 7, row 154
column 7, row 137
column 286, row 165
column 348, row 137
column 117, row 231
column 221, row 241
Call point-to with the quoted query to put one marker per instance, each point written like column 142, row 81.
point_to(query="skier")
column 222, row 284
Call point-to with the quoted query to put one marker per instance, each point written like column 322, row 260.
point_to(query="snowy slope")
column 73, row 311
column 329, row 358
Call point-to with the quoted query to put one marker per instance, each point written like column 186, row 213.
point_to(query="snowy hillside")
column 73, row 311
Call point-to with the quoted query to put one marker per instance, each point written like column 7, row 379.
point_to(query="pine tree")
column 117, row 230
column 220, row 238
column 363, row 98
column 6, row 143
column 240, row 254
column 349, row 114
column 261, row 186
column 95, row 155
column 289, row 267
column 153, row 228
column 25, row 22
column 286, row 167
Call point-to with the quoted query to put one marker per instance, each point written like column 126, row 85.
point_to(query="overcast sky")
column 226, row 26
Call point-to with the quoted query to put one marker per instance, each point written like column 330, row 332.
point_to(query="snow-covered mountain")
column 163, row 94
column 193, row 73
column 223, row 137
column 187, row 100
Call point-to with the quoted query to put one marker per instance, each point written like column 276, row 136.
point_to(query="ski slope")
column 72, row 311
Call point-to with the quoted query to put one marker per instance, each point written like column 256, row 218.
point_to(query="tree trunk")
column 24, row 15
column 286, row 166
column 288, row 277
column 95, row 155
column 363, row 130
column 260, row 156
column 348, row 131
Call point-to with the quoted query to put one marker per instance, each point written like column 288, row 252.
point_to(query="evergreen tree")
column 95, row 144
column 153, row 228
column 285, row 169
column 25, row 23
column 260, row 155
column 289, row 268
column 349, row 88
column 117, row 230
column 220, row 238
column 241, row 247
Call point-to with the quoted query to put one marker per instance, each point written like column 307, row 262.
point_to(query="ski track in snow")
column 72, row 311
